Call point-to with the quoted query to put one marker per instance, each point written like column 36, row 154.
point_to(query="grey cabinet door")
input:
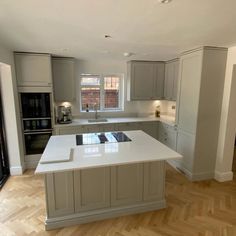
column 60, row 194
column 154, row 181
column 33, row 69
column 169, row 78
column 63, row 79
column 92, row 189
column 72, row 130
column 150, row 128
column 190, row 79
column 159, row 79
column 142, row 80
column 176, row 80
column 126, row 184
column 186, row 147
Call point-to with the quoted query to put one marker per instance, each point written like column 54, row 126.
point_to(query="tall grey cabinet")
column 202, row 73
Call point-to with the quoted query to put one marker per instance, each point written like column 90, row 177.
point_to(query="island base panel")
column 82, row 218
column 81, row 196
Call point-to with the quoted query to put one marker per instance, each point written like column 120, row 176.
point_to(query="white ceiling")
column 151, row 30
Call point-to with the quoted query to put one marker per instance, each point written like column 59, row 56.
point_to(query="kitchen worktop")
column 142, row 148
column 170, row 120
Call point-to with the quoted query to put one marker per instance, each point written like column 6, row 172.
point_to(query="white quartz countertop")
column 142, row 148
column 170, row 120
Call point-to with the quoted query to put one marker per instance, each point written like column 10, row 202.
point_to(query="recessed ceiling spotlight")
column 165, row 1
column 128, row 54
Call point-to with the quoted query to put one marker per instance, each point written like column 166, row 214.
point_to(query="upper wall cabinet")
column 33, row 69
column 63, row 79
column 145, row 80
column 171, row 80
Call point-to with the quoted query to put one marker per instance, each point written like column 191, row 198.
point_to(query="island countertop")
column 142, row 148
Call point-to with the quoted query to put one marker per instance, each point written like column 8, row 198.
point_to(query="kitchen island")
column 95, row 181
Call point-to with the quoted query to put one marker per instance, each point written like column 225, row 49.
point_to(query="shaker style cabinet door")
column 33, row 69
column 63, row 79
column 191, row 68
column 159, row 78
column 126, row 184
column 154, row 181
column 60, row 194
column 92, row 189
column 171, row 80
column 142, row 80
column 145, row 80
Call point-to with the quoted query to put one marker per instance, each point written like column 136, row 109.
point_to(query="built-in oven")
column 36, row 121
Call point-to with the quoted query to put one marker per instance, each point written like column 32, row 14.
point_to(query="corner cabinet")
column 145, row 80
column 33, row 69
column 63, row 79
column 171, row 80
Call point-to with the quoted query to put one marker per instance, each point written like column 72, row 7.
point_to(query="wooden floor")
column 203, row 208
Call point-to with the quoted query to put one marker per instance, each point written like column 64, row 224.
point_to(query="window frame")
column 102, row 92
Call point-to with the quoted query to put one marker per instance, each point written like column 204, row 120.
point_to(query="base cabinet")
column 126, row 184
column 154, row 181
column 92, row 189
column 59, row 194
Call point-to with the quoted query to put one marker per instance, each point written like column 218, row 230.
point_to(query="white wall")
column 223, row 170
column 11, row 111
column 131, row 108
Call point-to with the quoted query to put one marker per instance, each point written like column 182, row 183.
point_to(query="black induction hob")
column 98, row 138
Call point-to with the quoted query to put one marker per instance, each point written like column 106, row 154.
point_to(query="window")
column 103, row 91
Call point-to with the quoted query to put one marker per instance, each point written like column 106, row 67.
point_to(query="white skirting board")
column 223, row 176
column 16, row 170
column 81, row 218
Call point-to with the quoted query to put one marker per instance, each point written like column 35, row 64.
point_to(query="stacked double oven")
column 37, row 123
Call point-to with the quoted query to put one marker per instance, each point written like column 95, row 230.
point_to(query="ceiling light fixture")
column 165, row 1
column 128, row 54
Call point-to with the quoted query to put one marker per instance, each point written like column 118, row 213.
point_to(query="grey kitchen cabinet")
column 126, row 184
column 171, row 79
column 60, row 194
column 71, row 129
column 128, row 126
column 107, row 127
column 150, row 128
column 63, row 79
column 92, row 189
column 145, row 80
column 154, row 180
column 167, row 135
column 33, row 70
column 202, row 74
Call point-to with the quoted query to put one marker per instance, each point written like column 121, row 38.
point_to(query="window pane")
column 90, row 80
column 111, row 89
column 90, row 97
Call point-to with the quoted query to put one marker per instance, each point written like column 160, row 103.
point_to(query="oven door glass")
column 35, row 143
column 35, row 105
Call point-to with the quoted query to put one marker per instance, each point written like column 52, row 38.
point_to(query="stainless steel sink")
column 97, row 120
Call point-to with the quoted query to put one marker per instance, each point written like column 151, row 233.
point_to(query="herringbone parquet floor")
column 206, row 208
